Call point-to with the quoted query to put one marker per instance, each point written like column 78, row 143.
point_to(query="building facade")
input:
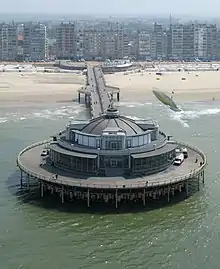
column 188, row 42
column 144, row 46
column 8, row 42
column 76, row 41
column 65, row 41
column 35, row 42
column 112, row 145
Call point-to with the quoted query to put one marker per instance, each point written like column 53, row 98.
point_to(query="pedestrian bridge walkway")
column 97, row 93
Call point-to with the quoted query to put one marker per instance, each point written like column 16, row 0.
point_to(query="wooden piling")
column 41, row 188
column 21, row 179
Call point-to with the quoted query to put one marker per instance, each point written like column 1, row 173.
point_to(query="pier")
column 96, row 93
column 120, row 189
column 110, row 158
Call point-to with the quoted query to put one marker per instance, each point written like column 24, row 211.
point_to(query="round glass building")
column 112, row 145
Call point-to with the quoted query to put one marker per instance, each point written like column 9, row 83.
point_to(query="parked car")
column 179, row 159
column 185, row 152
column 44, row 152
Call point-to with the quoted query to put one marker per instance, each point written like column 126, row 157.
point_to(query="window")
column 98, row 143
column 114, row 163
column 113, row 145
column 129, row 143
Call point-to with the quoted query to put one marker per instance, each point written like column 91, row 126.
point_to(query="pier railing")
column 140, row 183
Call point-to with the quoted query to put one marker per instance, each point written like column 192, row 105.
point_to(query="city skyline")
column 35, row 41
column 114, row 7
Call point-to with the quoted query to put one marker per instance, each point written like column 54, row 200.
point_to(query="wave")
column 63, row 112
column 135, row 118
column 133, row 104
column 184, row 116
column 3, row 120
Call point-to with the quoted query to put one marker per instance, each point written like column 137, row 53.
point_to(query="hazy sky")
column 196, row 7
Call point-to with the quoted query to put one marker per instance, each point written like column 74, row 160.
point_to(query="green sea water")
column 35, row 235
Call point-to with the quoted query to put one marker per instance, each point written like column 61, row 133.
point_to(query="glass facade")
column 77, row 164
column 153, row 164
column 129, row 165
column 113, row 142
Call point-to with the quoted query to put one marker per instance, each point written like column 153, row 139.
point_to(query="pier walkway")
column 97, row 93
column 29, row 162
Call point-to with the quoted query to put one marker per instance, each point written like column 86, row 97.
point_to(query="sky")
column 112, row 7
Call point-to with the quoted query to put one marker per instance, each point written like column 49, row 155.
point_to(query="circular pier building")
column 111, row 159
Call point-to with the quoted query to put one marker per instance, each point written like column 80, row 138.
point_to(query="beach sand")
column 137, row 87
column 39, row 87
column 198, row 86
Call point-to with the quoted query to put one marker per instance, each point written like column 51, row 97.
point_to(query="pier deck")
column 97, row 92
column 29, row 162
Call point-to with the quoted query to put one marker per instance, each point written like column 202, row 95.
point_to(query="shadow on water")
column 32, row 196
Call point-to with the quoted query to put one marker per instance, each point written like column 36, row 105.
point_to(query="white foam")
column 3, row 120
column 52, row 114
column 62, row 112
column 133, row 104
column 178, row 116
column 134, row 118
column 184, row 116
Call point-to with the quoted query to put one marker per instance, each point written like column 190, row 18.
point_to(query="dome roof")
column 97, row 125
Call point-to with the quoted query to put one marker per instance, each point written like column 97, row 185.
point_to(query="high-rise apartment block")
column 78, row 42
column 109, row 40
column 65, row 41
column 8, row 42
column 35, row 42
column 144, row 46
column 192, row 41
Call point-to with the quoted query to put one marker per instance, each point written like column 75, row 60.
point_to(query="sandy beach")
column 197, row 86
column 62, row 87
column 39, row 87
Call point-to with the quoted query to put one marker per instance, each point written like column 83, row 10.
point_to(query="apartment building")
column 179, row 42
column 152, row 43
column 157, row 42
column 218, row 45
column 92, row 43
column 121, row 42
column 206, row 38
column 211, row 41
column 35, row 45
column 65, row 41
column 79, row 42
column 8, row 42
column 75, row 41
column 144, row 46
column 176, row 42
column 188, row 42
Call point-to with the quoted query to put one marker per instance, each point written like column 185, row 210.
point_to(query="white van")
column 179, row 159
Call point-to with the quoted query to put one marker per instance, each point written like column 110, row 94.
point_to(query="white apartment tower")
column 35, row 42
column 205, row 41
column 144, row 46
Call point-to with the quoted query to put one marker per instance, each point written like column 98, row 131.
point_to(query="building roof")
column 61, row 150
column 98, row 125
column 162, row 150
